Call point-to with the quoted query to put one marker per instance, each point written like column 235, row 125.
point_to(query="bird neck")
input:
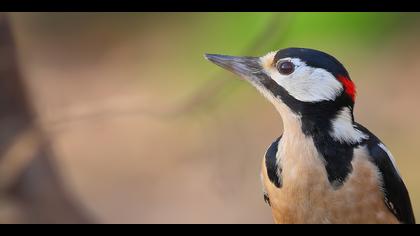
column 338, row 126
column 292, row 123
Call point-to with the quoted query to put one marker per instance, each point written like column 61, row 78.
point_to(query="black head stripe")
column 314, row 58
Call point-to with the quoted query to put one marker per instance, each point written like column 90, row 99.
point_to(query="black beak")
column 242, row 66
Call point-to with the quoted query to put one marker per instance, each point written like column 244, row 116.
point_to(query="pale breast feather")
column 396, row 195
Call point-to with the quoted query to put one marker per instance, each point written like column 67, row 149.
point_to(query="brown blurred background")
column 117, row 118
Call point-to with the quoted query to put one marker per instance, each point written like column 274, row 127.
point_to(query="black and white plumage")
column 325, row 168
column 396, row 195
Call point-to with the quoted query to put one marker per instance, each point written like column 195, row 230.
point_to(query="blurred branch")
column 203, row 96
column 31, row 191
column 274, row 32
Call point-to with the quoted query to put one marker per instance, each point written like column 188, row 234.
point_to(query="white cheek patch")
column 343, row 129
column 307, row 84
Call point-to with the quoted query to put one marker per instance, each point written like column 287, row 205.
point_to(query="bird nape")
column 325, row 167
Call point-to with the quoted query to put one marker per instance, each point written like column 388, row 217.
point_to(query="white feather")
column 343, row 129
column 307, row 84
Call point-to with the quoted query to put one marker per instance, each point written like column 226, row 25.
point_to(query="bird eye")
column 286, row 67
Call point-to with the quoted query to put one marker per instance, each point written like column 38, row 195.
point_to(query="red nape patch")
column 348, row 86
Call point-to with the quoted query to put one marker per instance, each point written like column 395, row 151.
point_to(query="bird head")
column 307, row 83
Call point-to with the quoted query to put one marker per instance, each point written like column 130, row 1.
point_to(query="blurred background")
column 117, row 118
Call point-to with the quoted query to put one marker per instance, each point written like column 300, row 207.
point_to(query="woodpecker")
column 325, row 167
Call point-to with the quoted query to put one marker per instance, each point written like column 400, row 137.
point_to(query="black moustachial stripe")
column 273, row 170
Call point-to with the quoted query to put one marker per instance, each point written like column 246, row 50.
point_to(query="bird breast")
column 306, row 195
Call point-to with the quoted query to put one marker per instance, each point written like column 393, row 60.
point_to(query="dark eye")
column 286, row 67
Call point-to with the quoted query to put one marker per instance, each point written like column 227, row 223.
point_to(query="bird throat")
column 312, row 140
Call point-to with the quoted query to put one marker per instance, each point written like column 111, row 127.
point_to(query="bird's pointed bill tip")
column 210, row 57
column 206, row 56
column 243, row 66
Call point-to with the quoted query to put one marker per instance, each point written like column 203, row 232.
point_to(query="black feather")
column 396, row 195
column 273, row 170
column 267, row 199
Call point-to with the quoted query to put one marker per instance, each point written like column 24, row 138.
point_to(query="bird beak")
column 243, row 66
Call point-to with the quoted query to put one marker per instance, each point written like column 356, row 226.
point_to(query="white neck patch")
column 306, row 84
column 343, row 129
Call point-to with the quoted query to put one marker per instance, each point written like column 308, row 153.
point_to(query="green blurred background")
column 140, row 128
